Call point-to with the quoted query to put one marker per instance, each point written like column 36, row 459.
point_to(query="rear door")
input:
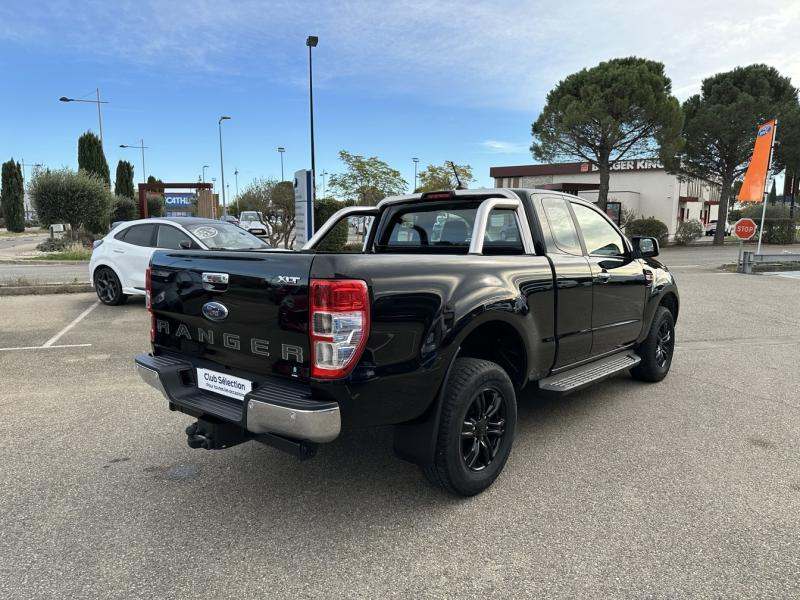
column 132, row 254
column 261, row 327
column 618, row 282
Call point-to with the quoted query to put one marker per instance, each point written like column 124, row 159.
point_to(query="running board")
column 585, row 375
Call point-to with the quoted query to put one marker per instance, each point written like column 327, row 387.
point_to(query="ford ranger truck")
column 455, row 303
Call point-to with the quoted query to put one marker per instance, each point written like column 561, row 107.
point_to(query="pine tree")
column 12, row 197
column 773, row 194
column 91, row 157
column 123, row 184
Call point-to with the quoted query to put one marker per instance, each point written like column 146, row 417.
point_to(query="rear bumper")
column 275, row 406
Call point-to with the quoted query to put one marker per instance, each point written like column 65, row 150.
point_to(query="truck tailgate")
column 244, row 311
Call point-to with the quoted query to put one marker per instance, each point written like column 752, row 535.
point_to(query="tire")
column 476, row 430
column 108, row 287
column 657, row 349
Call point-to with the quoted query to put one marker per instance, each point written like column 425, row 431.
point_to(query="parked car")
column 433, row 337
column 711, row 228
column 230, row 219
column 119, row 260
column 253, row 221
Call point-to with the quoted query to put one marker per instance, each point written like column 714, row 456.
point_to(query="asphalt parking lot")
column 687, row 488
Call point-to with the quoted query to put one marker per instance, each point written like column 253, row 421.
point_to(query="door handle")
column 603, row 276
column 119, row 251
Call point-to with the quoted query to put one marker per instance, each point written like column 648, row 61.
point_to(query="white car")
column 711, row 228
column 120, row 259
column 253, row 221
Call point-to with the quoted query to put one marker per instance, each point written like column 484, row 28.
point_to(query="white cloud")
column 494, row 54
column 500, row 147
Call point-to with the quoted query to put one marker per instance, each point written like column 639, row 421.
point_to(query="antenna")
column 458, row 181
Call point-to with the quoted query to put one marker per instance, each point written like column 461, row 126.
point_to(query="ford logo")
column 214, row 311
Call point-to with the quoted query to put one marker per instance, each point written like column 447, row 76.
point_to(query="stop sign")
column 744, row 229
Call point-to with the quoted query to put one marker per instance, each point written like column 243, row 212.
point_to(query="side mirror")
column 645, row 247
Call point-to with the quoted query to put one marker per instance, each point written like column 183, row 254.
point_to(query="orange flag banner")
column 755, row 180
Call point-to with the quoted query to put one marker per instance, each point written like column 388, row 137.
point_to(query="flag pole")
column 766, row 185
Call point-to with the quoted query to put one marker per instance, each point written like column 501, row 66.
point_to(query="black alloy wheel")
column 483, row 429
column 108, row 287
column 657, row 348
column 665, row 343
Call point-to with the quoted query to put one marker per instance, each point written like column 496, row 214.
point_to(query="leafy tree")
column 275, row 200
column 366, row 181
column 155, row 205
column 773, row 194
column 123, row 208
column 12, row 197
column 123, row 183
column 688, row 231
column 442, row 178
column 80, row 199
column 721, row 122
column 622, row 108
column 91, row 157
column 787, row 156
column 324, row 209
column 649, row 227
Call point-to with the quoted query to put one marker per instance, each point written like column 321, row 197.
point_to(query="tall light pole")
column 324, row 174
column 221, row 167
column 236, row 174
column 142, row 148
column 281, row 150
column 23, row 164
column 311, row 42
column 416, row 162
column 204, row 173
column 99, row 114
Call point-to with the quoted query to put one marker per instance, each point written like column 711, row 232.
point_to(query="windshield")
column 224, row 236
column 249, row 215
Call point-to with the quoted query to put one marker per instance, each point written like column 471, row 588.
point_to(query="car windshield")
column 249, row 215
column 224, row 236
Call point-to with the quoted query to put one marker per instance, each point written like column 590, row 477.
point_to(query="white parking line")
column 77, row 320
column 45, row 347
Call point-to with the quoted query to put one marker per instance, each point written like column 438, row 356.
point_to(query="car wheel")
column 108, row 287
column 657, row 349
column 476, row 431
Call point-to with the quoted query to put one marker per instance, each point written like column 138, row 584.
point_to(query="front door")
column 619, row 286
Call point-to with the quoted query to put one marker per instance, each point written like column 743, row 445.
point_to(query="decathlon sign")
column 178, row 200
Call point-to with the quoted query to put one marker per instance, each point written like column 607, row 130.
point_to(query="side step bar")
column 585, row 375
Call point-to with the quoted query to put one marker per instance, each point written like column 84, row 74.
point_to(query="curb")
column 52, row 288
column 32, row 261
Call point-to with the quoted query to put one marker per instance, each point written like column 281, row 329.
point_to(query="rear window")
column 448, row 229
column 218, row 235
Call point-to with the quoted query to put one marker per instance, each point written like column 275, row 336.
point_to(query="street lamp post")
column 236, row 175
column 99, row 114
column 221, row 167
column 142, row 148
column 204, row 173
column 311, row 42
column 281, row 150
column 23, row 164
column 416, row 162
column 324, row 174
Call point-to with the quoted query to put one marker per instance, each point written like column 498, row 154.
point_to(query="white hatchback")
column 120, row 260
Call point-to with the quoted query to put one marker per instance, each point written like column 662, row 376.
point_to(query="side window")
column 140, row 235
column 170, row 237
column 502, row 233
column 561, row 225
column 598, row 234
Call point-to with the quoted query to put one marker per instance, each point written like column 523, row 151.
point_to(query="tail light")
column 148, row 286
column 338, row 324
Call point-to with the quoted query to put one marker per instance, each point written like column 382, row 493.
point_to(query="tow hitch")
column 218, row 435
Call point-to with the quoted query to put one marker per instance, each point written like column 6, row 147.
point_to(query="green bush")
column 337, row 238
column 123, row 209
column 649, row 227
column 734, row 215
column 354, row 247
column 689, row 231
column 79, row 199
column 155, row 205
column 779, row 227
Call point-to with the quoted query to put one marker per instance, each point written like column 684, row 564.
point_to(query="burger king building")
column 639, row 185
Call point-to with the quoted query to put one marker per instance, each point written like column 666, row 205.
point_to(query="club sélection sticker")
column 205, row 232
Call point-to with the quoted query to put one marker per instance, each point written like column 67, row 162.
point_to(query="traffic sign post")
column 744, row 229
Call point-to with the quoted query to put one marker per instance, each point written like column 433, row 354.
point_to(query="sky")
column 438, row 80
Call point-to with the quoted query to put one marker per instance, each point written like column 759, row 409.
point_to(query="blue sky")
column 438, row 80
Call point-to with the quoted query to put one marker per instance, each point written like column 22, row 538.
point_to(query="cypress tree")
column 91, row 157
column 123, row 184
column 12, row 196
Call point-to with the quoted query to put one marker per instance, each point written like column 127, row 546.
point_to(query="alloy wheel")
column 483, row 429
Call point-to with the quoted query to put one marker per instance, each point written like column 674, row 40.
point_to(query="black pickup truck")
column 454, row 303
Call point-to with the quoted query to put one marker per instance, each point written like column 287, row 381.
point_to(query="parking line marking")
column 45, row 347
column 77, row 320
